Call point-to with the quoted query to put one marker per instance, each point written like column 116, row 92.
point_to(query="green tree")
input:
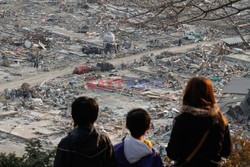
column 35, row 156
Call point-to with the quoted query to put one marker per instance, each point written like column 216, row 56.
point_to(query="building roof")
column 235, row 40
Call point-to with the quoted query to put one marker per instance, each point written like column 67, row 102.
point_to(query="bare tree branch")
column 186, row 11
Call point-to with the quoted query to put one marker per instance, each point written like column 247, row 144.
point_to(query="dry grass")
column 240, row 156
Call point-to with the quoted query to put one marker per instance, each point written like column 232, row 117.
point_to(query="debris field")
column 83, row 50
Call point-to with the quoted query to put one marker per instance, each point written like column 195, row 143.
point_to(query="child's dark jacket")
column 85, row 148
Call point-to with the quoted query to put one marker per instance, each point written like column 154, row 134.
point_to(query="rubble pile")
column 178, row 68
column 73, row 42
column 26, row 91
column 104, row 66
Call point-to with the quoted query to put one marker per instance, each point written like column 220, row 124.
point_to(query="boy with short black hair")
column 84, row 146
column 136, row 151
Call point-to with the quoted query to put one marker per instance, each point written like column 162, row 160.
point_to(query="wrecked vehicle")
column 81, row 70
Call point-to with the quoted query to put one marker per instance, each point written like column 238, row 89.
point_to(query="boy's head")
column 138, row 122
column 84, row 111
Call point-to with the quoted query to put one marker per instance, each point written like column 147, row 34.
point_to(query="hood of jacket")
column 87, row 142
column 201, row 112
column 135, row 149
column 213, row 113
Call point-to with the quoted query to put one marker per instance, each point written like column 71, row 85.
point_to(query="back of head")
column 138, row 122
column 199, row 93
column 84, row 111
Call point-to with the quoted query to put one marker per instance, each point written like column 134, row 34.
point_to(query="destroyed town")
column 125, row 55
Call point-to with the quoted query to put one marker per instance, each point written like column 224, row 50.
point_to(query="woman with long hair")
column 200, row 136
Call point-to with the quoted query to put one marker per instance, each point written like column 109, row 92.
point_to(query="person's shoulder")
column 119, row 148
column 118, row 145
column 155, row 153
column 104, row 137
column 182, row 116
column 65, row 142
column 156, row 158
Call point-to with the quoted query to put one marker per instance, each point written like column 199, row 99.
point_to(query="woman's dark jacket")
column 85, row 148
column 189, row 128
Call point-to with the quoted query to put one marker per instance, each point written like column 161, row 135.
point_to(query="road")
column 35, row 79
column 46, row 76
column 178, row 49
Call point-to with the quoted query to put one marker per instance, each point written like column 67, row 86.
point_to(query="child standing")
column 136, row 151
column 84, row 145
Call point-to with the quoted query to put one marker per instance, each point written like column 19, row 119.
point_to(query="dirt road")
column 45, row 76
column 178, row 49
column 33, row 80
